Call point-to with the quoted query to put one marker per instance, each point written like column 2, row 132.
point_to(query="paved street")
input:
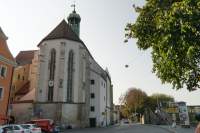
column 136, row 128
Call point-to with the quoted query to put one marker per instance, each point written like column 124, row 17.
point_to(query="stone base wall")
column 22, row 112
column 73, row 114
column 47, row 111
column 62, row 113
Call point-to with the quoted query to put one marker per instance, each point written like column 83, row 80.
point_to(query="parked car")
column 57, row 129
column 46, row 125
column 33, row 128
column 13, row 128
column 5, row 129
column 125, row 121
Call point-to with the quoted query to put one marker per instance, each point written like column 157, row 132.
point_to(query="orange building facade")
column 7, row 64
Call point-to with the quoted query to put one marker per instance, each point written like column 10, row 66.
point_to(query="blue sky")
column 26, row 22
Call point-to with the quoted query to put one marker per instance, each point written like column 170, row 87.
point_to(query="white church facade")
column 72, row 88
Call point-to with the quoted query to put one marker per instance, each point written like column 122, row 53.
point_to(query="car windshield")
column 16, row 127
column 25, row 126
column 7, row 128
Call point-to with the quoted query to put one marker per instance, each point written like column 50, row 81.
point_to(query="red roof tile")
column 24, row 89
column 4, row 50
column 25, row 57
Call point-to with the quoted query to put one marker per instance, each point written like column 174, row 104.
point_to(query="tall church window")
column 70, row 76
column 52, row 66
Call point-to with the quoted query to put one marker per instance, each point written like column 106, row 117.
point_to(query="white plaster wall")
column 71, row 45
column 99, row 88
column 103, row 101
column 94, row 88
column 83, row 54
column 61, row 69
column 109, row 101
column 44, row 68
column 42, row 75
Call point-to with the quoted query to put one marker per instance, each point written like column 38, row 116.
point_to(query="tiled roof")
column 25, row 57
column 62, row 31
column 2, row 34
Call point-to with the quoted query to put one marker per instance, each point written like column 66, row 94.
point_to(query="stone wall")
column 62, row 113
column 73, row 114
column 22, row 112
column 48, row 111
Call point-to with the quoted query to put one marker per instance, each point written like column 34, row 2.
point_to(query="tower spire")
column 74, row 20
column 74, row 6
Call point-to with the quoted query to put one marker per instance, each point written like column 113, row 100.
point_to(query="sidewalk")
column 178, row 129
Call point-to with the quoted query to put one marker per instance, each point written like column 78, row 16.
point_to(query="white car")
column 4, row 129
column 13, row 128
column 125, row 121
column 32, row 128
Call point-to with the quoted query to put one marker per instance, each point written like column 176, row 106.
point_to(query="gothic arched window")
column 52, row 66
column 70, row 76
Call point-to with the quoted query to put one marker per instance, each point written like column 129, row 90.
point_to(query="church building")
column 73, row 89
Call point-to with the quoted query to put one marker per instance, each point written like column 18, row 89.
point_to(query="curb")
column 166, row 129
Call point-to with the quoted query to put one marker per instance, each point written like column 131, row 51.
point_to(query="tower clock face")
column 51, row 83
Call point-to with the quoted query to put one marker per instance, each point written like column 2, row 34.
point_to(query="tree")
column 171, row 29
column 133, row 101
column 158, row 99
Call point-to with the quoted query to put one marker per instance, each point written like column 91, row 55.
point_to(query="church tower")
column 74, row 21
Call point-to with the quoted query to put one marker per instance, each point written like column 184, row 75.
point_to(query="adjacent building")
column 25, row 76
column 7, row 64
column 116, row 114
column 174, row 111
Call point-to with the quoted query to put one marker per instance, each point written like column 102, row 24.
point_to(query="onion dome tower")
column 74, row 20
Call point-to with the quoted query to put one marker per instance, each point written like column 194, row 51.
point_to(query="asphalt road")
column 179, row 129
column 136, row 128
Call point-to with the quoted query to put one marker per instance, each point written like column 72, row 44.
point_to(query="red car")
column 46, row 125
